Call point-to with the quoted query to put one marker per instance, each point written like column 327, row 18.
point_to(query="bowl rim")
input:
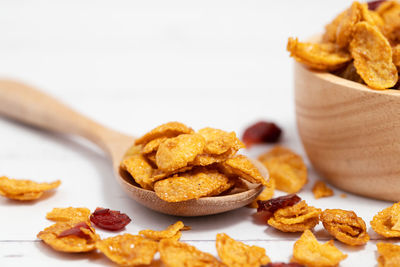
column 332, row 78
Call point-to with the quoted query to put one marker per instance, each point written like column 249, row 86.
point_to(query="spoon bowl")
column 30, row 106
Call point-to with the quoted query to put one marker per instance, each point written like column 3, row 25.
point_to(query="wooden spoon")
column 30, row 106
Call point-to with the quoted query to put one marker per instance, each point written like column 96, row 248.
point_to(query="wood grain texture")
column 350, row 132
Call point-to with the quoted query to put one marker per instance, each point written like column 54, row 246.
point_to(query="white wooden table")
column 133, row 65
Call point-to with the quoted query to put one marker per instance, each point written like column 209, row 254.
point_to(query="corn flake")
column 320, row 56
column 237, row 254
column 345, row 226
column 373, row 57
column 296, row 218
column 286, row 168
column 170, row 129
column 177, row 254
column 153, row 145
column 68, row 214
column 140, row 170
column 128, row 250
column 387, row 221
column 389, row 254
column 172, row 231
column 320, row 189
column 70, row 243
column 178, row 152
column 192, row 185
column 309, row 252
column 389, row 12
column 207, row 159
column 266, row 194
column 244, row 168
column 396, row 55
column 345, row 29
column 24, row 189
column 219, row 141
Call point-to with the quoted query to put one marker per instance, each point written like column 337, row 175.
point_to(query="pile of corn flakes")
column 180, row 164
column 361, row 44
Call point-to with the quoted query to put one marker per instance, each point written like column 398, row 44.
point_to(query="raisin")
column 109, row 219
column 274, row 204
column 261, row 132
column 76, row 231
column 373, row 5
column 282, row 264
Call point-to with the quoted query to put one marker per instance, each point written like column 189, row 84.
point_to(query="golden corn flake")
column 170, row 232
column 396, row 55
column 345, row 29
column 320, row 56
column 207, row 159
column 178, row 152
column 387, row 221
column 244, row 168
column 70, row 243
column 296, row 218
column 389, row 254
column 373, row 57
column 68, row 214
column 345, row 226
column 133, row 150
column 331, row 28
column 286, row 168
column 266, row 194
column 389, row 12
column 309, row 252
column 170, row 129
column 192, row 185
column 237, row 254
column 128, row 250
column 320, row 189
column 24, row 189
column 177, row 254
column 140, row 170
column 153, row 145
column 218, row 141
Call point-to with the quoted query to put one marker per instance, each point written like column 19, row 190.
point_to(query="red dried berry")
column 261, row 132
column 373, row 5
column 282, row 264
column 109, row 219
column 268, row 207
column 76, row 231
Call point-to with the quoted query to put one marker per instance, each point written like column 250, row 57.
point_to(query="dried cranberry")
column 109, row 219
column 76, row 231
column 373, row 5
column 274, row 204
column 282, row 264
column 261, row 132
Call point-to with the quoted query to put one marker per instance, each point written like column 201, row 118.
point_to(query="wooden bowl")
column 351, row 133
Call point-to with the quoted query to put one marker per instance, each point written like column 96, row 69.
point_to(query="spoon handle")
column 30, row 106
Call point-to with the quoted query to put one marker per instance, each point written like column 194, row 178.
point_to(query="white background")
column 132, row 65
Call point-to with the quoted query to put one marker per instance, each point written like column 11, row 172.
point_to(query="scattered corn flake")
column 178, row 152
column 266, row 194
column 128, row 250
column 68, row 214
column 140, row 170
column 309, row 252
column 69, row 243
column 389, row 254
column 219, row 141
column 170, row 129
column 24, row 189
column 176, row 254
column 192, row 185
column 286, row 168
column 373, row 57
column 237, row 254
column 320, row 189
column 320, row 56
column 345, row 226
column 153, row 145
column 244, row 168
column 170, row 232
column 386, row 220
column 296, row 218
